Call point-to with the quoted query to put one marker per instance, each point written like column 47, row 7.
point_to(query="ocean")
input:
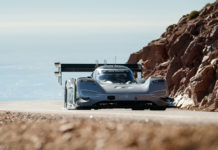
column 27, row 56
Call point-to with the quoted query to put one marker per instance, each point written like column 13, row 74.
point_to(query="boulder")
column 187, row 56
column 134, row 58
column 202, row 83
column 214, row 33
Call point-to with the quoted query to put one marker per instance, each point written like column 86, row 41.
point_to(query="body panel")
column 88, row 92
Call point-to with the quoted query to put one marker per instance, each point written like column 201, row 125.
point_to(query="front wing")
column 119, row 101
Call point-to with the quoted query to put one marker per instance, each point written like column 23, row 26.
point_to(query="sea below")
column 27, row 56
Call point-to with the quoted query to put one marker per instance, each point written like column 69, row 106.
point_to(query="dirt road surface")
column 46, row 125
column 169, row 116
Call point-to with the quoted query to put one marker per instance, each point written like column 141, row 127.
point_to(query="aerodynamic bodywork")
column 112, row 86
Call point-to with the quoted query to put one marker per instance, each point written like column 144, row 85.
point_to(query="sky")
column 92, row 15
column 28, row 26
column 36, row 33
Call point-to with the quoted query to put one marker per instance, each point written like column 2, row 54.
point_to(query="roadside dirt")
column 24, row 132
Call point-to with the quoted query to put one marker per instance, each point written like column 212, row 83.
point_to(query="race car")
column 112, row 86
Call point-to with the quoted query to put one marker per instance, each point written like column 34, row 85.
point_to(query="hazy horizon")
column 35, row 34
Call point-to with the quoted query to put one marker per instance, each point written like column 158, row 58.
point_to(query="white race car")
column 111, row 86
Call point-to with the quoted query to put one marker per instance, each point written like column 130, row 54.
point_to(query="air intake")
column 111, row 97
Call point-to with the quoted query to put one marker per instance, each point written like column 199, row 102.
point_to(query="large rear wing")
column 88, row 68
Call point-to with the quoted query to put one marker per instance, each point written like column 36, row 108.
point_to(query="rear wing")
column 89, row 68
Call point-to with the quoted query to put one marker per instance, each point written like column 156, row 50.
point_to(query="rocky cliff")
column 187, row 56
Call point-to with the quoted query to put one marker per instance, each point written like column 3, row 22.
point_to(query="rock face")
column 187, row 56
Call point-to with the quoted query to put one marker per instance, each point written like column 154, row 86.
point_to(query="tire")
column 138, row 107
column 83, row 108
column 65, row 97
column 157, row 107
column 76, row 107
column 135, row 108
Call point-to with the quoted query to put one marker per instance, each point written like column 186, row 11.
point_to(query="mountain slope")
column 187, row 56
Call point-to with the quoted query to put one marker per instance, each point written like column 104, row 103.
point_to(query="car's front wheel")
column 65, row 97
column 155, row 107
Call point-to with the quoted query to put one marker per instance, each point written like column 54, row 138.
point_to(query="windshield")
column 115, row 76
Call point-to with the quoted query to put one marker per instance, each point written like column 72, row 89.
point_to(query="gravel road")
column 45, row 125
column 51, row 108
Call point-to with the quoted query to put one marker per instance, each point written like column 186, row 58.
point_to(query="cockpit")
column 123, row 76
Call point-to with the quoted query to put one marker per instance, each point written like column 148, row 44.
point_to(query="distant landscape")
column 175, row 40
column 33, row 37
column 31, row 75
